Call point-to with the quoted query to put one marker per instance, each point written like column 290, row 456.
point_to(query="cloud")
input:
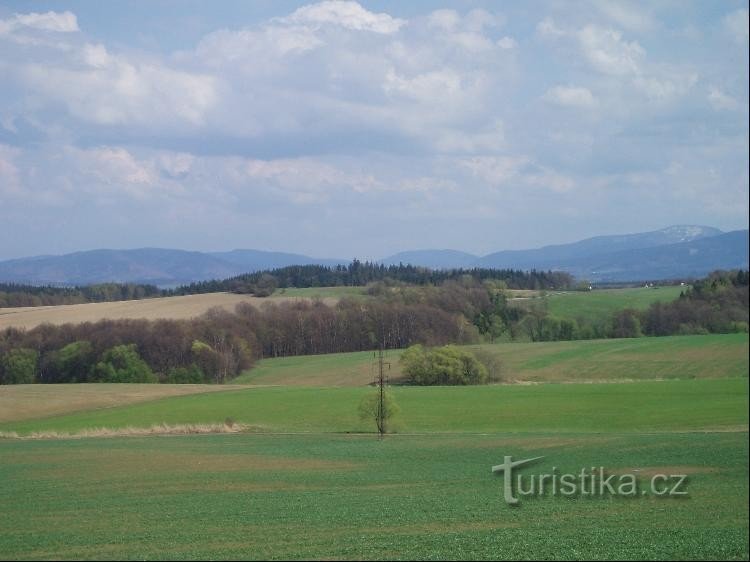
column 608, row 52
column 113, row 90
column 60, row 22
column 547, row 28
column 737, row 25
column 349, row 15
column 634, row 16
column 10, row 176
column 721, row 101
column 269, row 130
column 571, row 96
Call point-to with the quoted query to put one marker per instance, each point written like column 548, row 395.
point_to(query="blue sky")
column 343, row 129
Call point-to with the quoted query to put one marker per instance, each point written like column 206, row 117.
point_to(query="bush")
column 185, row 375
column 123, row 364
column 73, row 363
column 447, row 365
column 18, row 366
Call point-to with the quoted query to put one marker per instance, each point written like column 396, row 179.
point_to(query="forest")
column 219, row 345
column 263, row 283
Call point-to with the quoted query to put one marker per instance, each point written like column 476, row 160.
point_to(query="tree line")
column 264, row 283
column 361, row 274
column 15, row 295
column 220, row 344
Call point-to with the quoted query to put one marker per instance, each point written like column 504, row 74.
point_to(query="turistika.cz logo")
column 593, row 481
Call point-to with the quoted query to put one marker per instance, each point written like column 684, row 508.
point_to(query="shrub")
column 123, row 364
column 185, row 375
column 447, row 365
column 18, row 366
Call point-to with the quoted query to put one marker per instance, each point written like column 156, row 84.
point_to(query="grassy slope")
column 599, row 305
column 322, row 292
column 354, row 497
column 29, row 401
column 619, row 407
column 713, row 356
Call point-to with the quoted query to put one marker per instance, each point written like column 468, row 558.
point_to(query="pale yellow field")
column 27, row 401
column 168, row 307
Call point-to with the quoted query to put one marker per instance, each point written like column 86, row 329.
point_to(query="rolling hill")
column 672, row 253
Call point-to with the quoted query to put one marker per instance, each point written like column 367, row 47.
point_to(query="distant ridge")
column 434, row 259
column 674, row 252
column 157, row 266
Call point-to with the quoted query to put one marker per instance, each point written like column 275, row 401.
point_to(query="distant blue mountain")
column 674, row 252
column 434, row 259
column 556, row 257
column 163, row 267
column 258, row 260
column 694, row 258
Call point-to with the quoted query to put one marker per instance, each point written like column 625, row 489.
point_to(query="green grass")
column 322, row 292
column 709, row 356
column 600, row 304
column 615, row 407
column 425, row 492
column 355, row 497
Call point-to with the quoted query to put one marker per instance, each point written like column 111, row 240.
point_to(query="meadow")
column 357, row 497
column 712, row 356
column 599, row 305
column 308, row 479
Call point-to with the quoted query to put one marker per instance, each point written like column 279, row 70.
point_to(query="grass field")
column 322, row 292
column 713, row 356
column 354, row 497
column 167, row 307
column 639, row 406
column 593, row 305
column 298, row 485
column 600, row 304
column 28, row 401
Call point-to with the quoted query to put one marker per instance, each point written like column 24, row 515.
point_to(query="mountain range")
column 671, row 253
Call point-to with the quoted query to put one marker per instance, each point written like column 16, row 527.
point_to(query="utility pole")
column 381, row 387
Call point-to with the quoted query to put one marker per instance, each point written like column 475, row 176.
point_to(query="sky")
column 341, row 129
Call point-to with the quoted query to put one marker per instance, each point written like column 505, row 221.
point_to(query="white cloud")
column 444, row 83
column 495, row 170
column 346, row 14
column 115, row 90
column 738, row 26
column 608, row 52
column 665, row 85
column 548, row 28
column 60, row 22
column 113, row 171
column 633, row 16
column 507, row 43
column 444, row 19
column 571, row 96
column 226, row 48
column 10, row 176
column 96, row 55
column 721, row 101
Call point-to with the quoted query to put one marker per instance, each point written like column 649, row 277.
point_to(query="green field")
column 711, row 356
column 310, row 480
column 639, row 406
column 330, row 497
column 599, row 305
column 322, row 292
